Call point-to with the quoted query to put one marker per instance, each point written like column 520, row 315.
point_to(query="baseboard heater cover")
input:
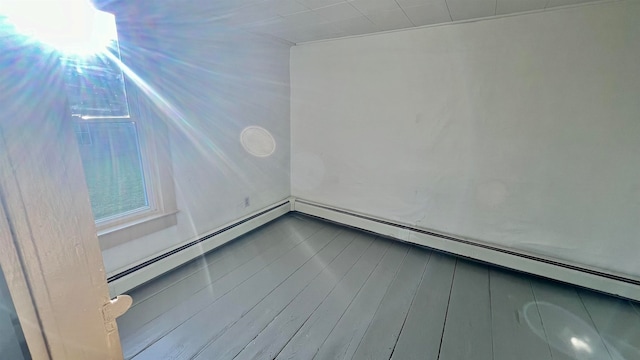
column 159, row 264
column 548, row 268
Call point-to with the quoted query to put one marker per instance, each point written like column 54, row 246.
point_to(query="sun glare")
column 69, row 26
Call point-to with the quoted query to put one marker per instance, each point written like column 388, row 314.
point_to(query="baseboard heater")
column 152, row 267
column 157, row 265
column 549, row 268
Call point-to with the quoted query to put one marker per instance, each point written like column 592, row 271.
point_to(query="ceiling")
column 309, row 20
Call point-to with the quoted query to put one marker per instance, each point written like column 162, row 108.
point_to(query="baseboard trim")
column 613, row 284
column 157, row 265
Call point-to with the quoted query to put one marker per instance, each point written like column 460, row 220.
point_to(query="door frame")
column 19, row 288
column 49, row 248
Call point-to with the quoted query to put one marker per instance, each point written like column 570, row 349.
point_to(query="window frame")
column 155, row 155
column 155, row 152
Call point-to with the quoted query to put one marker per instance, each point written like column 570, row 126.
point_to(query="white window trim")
column 160, row 214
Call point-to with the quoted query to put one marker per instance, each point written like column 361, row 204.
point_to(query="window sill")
column 121, row 234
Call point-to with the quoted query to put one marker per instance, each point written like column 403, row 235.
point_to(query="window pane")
column 112, row 163
column 95, row 86
column 94, row 81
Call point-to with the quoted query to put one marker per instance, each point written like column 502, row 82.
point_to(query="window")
column 95, row 84
column 112, row 161
column 120, row 143
column 128, row 173
column 123, row 144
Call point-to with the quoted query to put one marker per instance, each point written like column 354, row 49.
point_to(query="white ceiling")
column 308, row 20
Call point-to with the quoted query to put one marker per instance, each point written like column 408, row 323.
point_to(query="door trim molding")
column 19, row 287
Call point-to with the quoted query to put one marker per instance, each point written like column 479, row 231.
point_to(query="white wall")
column 221, row 80
column 520, row 131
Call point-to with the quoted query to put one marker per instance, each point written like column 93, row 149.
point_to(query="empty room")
column 320, row 179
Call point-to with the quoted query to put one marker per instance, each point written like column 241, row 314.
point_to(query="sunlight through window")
column 69, row 26
column 86, row 42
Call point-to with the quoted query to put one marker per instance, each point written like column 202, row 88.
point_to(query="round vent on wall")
column 257, row 141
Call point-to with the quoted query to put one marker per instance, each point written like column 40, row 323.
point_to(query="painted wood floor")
column 300, row 288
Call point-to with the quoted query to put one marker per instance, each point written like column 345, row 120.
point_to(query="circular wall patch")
column 257, row 141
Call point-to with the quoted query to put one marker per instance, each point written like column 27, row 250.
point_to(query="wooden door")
column 49, row 250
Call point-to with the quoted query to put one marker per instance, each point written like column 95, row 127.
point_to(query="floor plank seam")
column 230, row 290
column 595, row 327
column 424, row 271
column 395, row 276
column 320, row 249
column 296, row 270
column 319, row 303
column 453, row 279
column 276, row 287
column 303, row 290
column 330, row 293
column 544, row 330
column 354, row 297
column 294, row 334
column 234, row 245
column 206, row 284
column 223, row 249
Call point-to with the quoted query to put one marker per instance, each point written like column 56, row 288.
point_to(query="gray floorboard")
column 635, row 306
column 617, row 323
column 513, row 307
column 242, row 332
column 162, row 325
column 311, row 316
column 269, row 233
column 187, row 339
column 301, row 288
column 467, row 330
column 422, row 331
column 566, row 323
column 345, row 337
column 179, row 285
column 306, row 342
column 381, row 336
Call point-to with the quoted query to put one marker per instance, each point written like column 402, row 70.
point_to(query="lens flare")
column 68, row 26
column 581, row 345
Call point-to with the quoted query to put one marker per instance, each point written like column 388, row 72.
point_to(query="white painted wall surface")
column 522, row 131
column 221, row 80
